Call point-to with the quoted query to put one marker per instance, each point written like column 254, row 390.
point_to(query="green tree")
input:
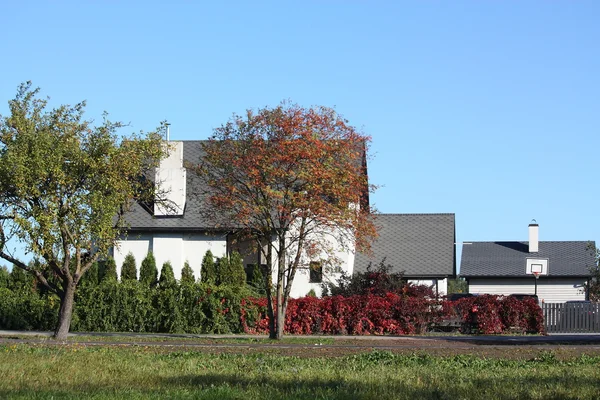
column 167, row 277
column 65, row 186
column 208, row 272
column 129, row 269
column 187, row 274
column 289, row 177
column 148, row 271
column 593, row 284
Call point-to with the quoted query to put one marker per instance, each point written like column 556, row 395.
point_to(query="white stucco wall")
column 555, row 290
column 138, row 245
column 173, row 247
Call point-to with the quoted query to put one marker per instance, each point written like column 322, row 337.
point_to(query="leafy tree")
column 208, row 272
column 129, row 269
column 167, row 277
column 593, row 284
column 109, row 270
column 65, row 185
column 294, row 181
column 187, row 274
column 148, row 271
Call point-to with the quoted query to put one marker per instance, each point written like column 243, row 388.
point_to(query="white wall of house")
column 549, row 290
column 173, row 247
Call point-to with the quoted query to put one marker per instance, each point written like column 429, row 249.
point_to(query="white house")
column 421, row 245
column 504, row 268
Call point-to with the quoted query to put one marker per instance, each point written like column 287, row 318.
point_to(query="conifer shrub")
column 108, row 270
column 129, row 268
column 167, row 277
column 208, row 272
column 230, row 271
column 148, row 271
column 187, row 274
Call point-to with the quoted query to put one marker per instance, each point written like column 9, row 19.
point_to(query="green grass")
column 200, row 339
column 77, row 371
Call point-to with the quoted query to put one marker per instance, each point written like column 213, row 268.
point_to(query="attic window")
column 316, row 272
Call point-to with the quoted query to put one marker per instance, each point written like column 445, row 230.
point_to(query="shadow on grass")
column 230, row 386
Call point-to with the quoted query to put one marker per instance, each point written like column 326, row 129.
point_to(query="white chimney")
column 170, row 181
column 534, row 237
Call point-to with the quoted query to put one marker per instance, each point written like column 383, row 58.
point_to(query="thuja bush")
column 27, row 310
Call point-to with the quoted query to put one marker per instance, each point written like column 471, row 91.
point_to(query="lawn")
column 74, row 371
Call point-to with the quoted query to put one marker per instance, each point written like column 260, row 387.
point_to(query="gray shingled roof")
column 420, row 245
column 508, row 259
column 142, row 219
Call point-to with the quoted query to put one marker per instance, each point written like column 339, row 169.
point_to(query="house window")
column 316, row 272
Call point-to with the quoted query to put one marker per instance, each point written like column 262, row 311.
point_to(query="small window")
column 316, row 272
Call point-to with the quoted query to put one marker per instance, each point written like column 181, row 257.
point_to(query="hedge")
column 131, row 306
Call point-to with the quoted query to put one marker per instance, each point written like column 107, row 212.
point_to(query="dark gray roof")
column 420, row 245
column 142, row 219
column 508, row 259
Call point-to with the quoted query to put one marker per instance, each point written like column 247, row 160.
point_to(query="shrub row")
column 398, row 315
column 130, row 306
column 489, row 314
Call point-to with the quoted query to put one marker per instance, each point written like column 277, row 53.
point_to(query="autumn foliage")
column 394, row 314
column 294, row 180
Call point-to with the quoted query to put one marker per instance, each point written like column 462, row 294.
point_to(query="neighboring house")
column 421, row 246
column 505, row 268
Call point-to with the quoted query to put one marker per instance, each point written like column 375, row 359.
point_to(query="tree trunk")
column 281, row 259
column 280, row 310
column 65, row 312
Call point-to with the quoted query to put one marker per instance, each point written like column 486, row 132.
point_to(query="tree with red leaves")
column 294, row 181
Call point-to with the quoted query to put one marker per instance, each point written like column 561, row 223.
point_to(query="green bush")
column 187, row 274
column 129, row 268
column 108, row 270
column 4, row 277
column 91, row 277
column 208, row 272
column 148, row 271
column 26, row 310
column 167, row 277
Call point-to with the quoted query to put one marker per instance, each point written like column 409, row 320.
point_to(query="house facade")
column 557, row 271
column 176, row 230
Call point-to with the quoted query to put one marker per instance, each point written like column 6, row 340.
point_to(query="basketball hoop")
column 536, row 274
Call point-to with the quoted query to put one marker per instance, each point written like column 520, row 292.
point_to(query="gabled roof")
column 508, row 259
column 141, row 219
column 420, row 245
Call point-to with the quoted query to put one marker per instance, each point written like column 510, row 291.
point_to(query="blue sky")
column 486, row 109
